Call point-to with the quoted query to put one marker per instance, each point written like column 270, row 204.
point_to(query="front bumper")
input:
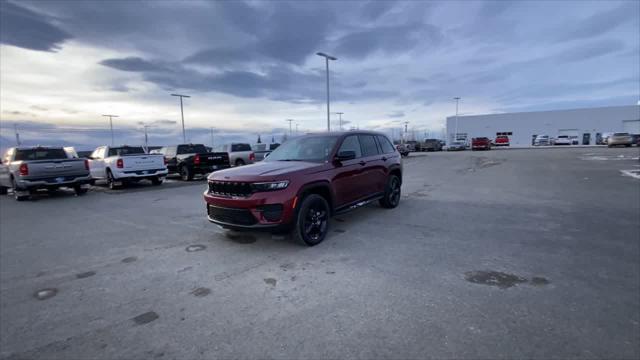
column 258, row 211
column 59, row 181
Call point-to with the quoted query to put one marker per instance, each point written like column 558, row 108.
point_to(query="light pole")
column 405, row 131
column 340, row 118
column 327, row 58
column 290, row 121
column 296, row 128
column 184, row 136
column 111, row 125
column 146, row 138
column 457, row 99
column 211, row 138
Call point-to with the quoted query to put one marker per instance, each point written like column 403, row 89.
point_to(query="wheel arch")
column 397, row 172
column 322, row 188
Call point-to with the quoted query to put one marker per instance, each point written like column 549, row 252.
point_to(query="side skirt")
column 358, row 204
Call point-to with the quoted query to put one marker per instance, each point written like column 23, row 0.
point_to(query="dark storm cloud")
column 591, row 50
column 372, row 10
column 396, row 114
column 28, row 29
column 387, row 39
column 602, row 22
column 134, row 64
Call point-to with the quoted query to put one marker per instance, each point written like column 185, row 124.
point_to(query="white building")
column 587, row 124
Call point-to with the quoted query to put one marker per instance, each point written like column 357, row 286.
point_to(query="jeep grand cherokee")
column 304, row 182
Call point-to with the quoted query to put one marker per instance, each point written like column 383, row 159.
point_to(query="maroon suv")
column 304, row 182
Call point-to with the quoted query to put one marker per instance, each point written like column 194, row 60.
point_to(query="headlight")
column 270, row 186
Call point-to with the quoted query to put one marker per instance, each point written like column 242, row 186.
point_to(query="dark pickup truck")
column 191, row 159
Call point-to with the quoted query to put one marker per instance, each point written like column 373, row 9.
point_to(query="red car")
column 480, row 143
column 304, row 182
column 501, row 140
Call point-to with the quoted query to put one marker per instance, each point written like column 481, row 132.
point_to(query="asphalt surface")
column 498, row 254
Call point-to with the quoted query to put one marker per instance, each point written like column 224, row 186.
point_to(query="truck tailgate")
column 54, row 168
column 214, row 158
column 143, row 162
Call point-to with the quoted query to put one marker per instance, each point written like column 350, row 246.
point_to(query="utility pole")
column 290, row 121
column 405, row 131
column 211, row 138
column 327, row 58
column 340, row 118
column 146, row 138
column 455, row 137
column 184, row 136
column 111, row 125
column 15, row 128
column 296, row 128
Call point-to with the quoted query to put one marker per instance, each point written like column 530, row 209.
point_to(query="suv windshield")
column 126, row 150
column 40, row 154
column 306, row 148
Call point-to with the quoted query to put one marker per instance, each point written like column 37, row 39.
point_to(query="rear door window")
column 351, row 143
column 192, row 149
column 385, row 144
column 368, row 144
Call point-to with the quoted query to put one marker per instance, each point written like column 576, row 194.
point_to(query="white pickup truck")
column 123, row 164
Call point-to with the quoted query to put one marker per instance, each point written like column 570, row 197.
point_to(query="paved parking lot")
column 499, row 254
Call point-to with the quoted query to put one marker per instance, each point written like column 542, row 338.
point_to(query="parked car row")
column 28, row 169
column 610, row 139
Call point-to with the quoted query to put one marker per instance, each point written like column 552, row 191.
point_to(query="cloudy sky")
column 250, row 65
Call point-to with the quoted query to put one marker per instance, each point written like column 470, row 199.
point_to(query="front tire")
column 312, row 223
column 391, row 197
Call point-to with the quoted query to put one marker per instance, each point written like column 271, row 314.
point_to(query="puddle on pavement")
column 241, row 238
column 194, row 248
column 502, row 280
column 146, row 318
column 539, row 281
column 129, row 259
column 201, row 292
column 270, row 281
column 494, row 278
column 45, row 294
column 85, row 274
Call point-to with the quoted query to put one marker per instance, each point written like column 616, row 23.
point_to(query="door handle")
column 384, row 158
column 362, row 163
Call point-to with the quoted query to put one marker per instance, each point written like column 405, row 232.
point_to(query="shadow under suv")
column 305, row 181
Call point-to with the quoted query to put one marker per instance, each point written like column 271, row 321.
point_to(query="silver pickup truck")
column 26, row 169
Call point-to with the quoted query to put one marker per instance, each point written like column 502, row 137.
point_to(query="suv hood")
column 264, row 171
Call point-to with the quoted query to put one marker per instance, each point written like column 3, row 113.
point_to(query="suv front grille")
column 231, row 215
column 229, row 188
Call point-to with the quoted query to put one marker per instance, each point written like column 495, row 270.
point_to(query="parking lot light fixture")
column 327, row 58
column 184, row 136
column 457, row 99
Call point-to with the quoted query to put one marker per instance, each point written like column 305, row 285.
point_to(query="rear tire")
column 239, row 162
column 312, row 222
column 3, row 190
column 157, row 181
column 80, row 190
column 185, row 173
column 15, row 192
column 111, row 182
column 391, row 197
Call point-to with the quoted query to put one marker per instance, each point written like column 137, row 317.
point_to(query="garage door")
column 631, row 126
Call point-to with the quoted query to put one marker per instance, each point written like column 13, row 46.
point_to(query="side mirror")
column 346, row 155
